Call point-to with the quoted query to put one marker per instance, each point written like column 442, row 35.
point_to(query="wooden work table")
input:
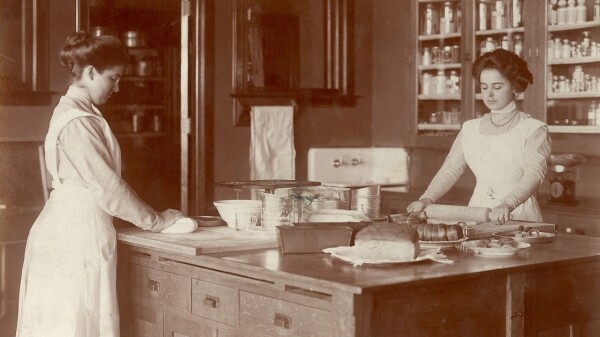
column 546, row 290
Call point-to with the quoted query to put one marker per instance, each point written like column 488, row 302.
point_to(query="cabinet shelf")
column 437, row 37
column 499, row 31
column 479, row 97
column 584, row 25
column 438, row 127
column 572, row 95
column 574, row 60
column 135, row 106
column 148, row 134
column 440, row 66
column 142, row 78
column 574, row 128
column 453, row 97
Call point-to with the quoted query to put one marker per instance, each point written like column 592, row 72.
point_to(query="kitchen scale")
column 562, row 176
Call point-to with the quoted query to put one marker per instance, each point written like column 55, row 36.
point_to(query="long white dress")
column 68, row 284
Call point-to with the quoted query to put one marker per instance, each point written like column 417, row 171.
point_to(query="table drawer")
column 163, row 287
column 214, row 301
column 275, row 317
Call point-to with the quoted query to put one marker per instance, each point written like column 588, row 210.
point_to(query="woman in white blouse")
column 68, row 284
column 506, row 149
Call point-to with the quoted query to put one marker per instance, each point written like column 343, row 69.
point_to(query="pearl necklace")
column 514, row 112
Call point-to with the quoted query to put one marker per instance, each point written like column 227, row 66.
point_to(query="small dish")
column 474, row 245
column 543, row 237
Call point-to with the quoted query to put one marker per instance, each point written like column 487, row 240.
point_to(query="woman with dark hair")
column 506, row 149
column 69, row 277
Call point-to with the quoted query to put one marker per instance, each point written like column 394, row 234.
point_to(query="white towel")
column 272, row 152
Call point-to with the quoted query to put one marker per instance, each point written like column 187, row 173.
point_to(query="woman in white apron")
column 69, row 276
column 506, row 149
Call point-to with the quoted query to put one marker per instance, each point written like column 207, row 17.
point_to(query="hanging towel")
column 272, row 152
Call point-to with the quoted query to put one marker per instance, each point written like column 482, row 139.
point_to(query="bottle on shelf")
column 517, row 13
column 571, row 12
column 592, row 113
column 597, row 10
column 483, row 17
column 553, row 12
column 581, row 11
column 426, row 58
column 430, row 20
column 562, row 12
column 447, row 19
column 518, row 45
column 585, row 43
column 498, row 15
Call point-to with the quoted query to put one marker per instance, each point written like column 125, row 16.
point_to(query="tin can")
column 156, row 123
column 456, row 54
column 136, row 122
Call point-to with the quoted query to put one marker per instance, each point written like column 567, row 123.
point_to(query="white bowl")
column 240, row 214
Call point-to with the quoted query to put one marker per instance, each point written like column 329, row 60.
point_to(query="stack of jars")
column 566, row 49
column 437, row 55
column 563, row 12
column 515, row 45
column 444, row 19
column 580, row 82
column 441, row 84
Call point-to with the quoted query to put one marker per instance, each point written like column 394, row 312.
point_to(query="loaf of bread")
column 388, row 241
column 438, row 231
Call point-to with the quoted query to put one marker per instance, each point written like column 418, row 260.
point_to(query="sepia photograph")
column 300, row 168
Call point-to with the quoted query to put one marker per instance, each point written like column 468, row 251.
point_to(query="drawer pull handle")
column 282, row 321
column 153, row 286
column 211, row 302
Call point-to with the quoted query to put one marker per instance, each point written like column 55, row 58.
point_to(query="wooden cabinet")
column 542, row 292
column 24, row 53
column 573, row 223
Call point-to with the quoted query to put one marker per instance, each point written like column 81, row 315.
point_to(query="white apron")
column 497, row 162
column 68, row 285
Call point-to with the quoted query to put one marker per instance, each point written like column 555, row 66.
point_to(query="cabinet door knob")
column 211, row 302
column 282, row 321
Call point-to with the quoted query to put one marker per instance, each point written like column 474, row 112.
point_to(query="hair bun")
column 78, row 38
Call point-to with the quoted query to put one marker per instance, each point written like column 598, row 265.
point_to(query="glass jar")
column 557, row 48
column 581, row 11
column 448, row 19
column 440, row 83
column 498, row 15
column 518, row 45
column 484, row 16
column 427, row 58
column 566, row 49
column 430, row 20
column 454, row 82
column 426, row 83
column 436, row 55
column 447, row 54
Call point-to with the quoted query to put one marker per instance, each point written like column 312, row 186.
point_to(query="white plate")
column 440, row 244
column 351, row 255
column 482, row 251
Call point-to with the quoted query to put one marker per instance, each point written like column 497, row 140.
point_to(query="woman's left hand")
column 500, row 214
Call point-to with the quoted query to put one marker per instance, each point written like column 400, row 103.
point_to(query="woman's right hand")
column 168, row 218
column 419, row 205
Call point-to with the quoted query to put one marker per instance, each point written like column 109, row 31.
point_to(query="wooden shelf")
column 558, row 28
column 574, row 60
column 574, row 128
column 143, row 134
column 454, row 97
column 438, row 127
column 440, row 66
column 595, row 95
column 437, row 37
column 142, row 78
column 499, row 31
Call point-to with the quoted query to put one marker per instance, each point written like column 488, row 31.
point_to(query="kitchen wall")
column 314, row 126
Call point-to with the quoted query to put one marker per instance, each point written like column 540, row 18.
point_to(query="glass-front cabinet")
column 439, row 67
column 559, row 39
column 573, row 66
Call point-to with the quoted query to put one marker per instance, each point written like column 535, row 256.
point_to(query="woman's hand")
column 419, row 205
column 168, row 218
column 501, row 214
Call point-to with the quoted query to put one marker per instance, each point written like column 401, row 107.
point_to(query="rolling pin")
column 459, row 213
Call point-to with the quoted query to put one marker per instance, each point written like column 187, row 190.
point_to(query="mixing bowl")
column 240, row 214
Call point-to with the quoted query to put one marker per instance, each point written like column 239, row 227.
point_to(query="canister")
column 448, row 19
column 430, row 20
column 133, row 39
